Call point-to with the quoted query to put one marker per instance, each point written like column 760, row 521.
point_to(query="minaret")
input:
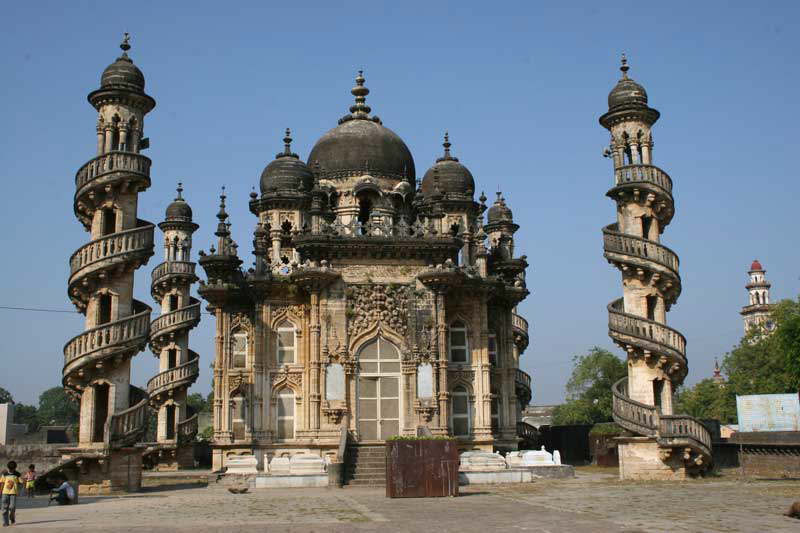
column 651, row 282
column 97, row 362
column 717, row 377
column 757, row 312
column 169, row 338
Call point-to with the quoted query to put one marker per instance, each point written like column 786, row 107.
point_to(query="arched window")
column 459, row 417
column 459, row 349
column 239, row 351
column 284, row 414
column 285, row 348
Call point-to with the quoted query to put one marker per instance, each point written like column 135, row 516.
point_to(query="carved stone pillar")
column 482, row 385
column 314, row 395
column 441, row 342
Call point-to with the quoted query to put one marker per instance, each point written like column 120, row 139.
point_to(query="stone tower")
column 169, row 340
column 662, row 445
column 756, row 313
column 97, row 362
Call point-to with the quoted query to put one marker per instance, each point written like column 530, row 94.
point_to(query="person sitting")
column 64, row 494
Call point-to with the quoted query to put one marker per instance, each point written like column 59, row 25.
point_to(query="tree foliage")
column 589, row 398
column 760, row 364
column 56, row 407
column 5, row 396
column 28, row 415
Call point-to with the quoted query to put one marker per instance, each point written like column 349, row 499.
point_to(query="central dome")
column 360, row 144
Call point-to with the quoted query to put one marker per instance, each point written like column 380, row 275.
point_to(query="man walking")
column 10, row 482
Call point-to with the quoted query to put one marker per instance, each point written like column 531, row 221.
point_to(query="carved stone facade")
column 375, row 305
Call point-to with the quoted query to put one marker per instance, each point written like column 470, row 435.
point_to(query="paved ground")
column 593, row 502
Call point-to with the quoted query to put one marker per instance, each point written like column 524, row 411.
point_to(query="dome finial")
column 287, row 142
column 222, row 214
column 125, row 44
column 624, row 66
column 360, row 109
column 180, row 191
column 446, row 145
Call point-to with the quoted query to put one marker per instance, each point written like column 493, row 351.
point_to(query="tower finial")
column 180, row 191
column 287, row 142
column 222, row 214
column 624, row 66
column 360, row 109
column 446, row 145
column 125, row 44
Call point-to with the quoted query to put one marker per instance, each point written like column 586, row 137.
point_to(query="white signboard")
column 768, row 412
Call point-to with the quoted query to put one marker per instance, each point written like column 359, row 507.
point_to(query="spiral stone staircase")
column 169, row 341
column 113, row 413
column 659, row 444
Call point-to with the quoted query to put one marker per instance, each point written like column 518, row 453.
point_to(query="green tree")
column 707, row 399
column 28, row 415
column 5, row 396
column 199, row 403
column 589, row 397
column 787, row 337
column 56, row 407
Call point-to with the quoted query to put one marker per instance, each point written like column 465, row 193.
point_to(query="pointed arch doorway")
column 378, row 393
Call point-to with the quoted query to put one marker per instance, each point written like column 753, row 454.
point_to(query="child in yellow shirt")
column 10, row 482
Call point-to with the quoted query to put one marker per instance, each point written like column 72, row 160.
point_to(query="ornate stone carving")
column 241, row 320
column 425, row 410
column 235, row 382
column 297, row 310
column 284, row 375
column 371, row 304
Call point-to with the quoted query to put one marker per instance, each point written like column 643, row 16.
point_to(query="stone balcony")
column 660, row 339
column 184, row 318
column 120, row 338
column 649, row 174
column 171, row 273
column 129, row 248
column 109, row 167
column 171, row 379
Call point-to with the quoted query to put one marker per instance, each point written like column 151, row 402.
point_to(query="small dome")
column 448, row 175
column 499, row 212
column 179, row 210
column 756, row 265
column 360, row 143
column 627, row 92
column 122, row 73
column 286, row 172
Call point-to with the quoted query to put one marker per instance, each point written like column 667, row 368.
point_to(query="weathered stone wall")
column 44, row 456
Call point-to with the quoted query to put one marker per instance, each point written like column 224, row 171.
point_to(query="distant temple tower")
column 757, row 312
column 718, row 378
column 113, row 413
column 169, row 340
column 663, row 446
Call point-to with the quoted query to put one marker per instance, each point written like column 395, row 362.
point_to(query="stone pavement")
column 593, row 502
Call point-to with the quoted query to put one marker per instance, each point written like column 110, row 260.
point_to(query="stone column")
column 275, row 235
column 315, row 363
column 123, row 137
column 635, row 156
column 441, row 341
column 483, row 387
column 109, row 138
column 100, row 139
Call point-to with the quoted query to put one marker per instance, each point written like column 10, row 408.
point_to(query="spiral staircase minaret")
column 113, row 413
column 660, row 444
column 169, row 340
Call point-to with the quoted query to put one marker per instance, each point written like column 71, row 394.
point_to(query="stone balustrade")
column 523, row 378
column 111, row 162
column 643, row 174
column 519, row 323
column 126, row 426
column 616, row 242
column 634, row 416
column 683, row 427
column 185, row 317
column 172, row 268
column 182, row 374
column 623, row 323
column 132, row 241
column 187, row 429
column 127, row 331
column 382, row 229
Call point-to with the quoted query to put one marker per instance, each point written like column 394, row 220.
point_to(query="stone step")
column 359, row 470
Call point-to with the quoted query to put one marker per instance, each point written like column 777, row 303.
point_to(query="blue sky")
column 519, row 85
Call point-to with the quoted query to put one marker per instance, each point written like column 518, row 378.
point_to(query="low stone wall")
column 768, row 455
column 44, row 456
